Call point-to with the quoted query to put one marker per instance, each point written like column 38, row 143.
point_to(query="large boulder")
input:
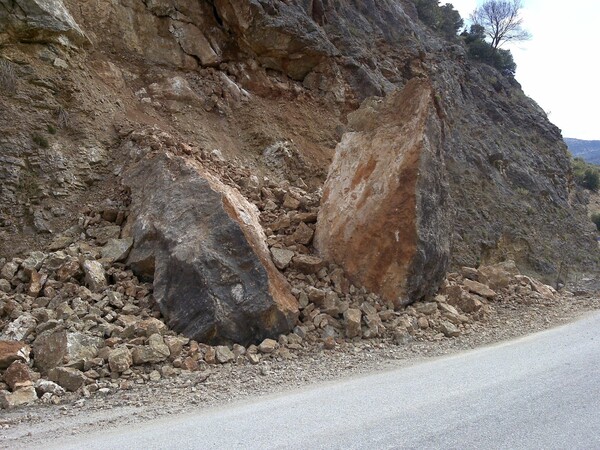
column 58, row 348
column 385, row 215
column 39, row 21
column 203, row 245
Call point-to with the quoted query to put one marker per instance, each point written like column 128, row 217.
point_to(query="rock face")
column 39, row 20
column 385, row 214
column 201, row 241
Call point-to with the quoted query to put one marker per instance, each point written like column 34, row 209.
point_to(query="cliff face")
column 249, row 76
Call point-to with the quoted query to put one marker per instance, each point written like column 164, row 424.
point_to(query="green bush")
column 596, row 220
column 51, row 129
column 40, row 140
column 481, row 50
column 586, row 175
column 444, row 19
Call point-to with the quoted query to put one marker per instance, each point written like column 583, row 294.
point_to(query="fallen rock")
column 156, row 351
column 68, row 378
column 353, row 319
column 479, row 289
column 18, row 376
column 95, row 276
column 20, row 397
column 449, row 329
column 117, row 250
column 386, row 198
column 268, row 346
column 48, row 387
column 53, row 348
column 120, row 359
column 36, row 284
column 303, row 234
column 19, row 329
column 307, row 264
column 281, row 257
column 11, row 351
column 9, row 270
column 468, row 303
column 427, row 308
column 203, row 245
column 498, row 276
column 224, row 354
column 5, row 285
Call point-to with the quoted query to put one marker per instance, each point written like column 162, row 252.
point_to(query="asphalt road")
column 540, row 392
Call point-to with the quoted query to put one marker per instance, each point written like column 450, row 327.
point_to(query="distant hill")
column 588, row 150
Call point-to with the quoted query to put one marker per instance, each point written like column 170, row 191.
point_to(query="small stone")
column 353, row 319
column 427, row 308
column 224, row 354
column 48, row 387
column 11, row 351
column 9, row 270
column 156, row 351
column 303, row 234
column 239, row 350
column 190, row 364
column 5, row 285
column 268, row 346
column 20, row 328
column 290, row 202
column 449, row 329
column 120, row 359
column 70, row 269
column 175, row 344
column 281, row 257
column 307, row 264
column 329, row 343
column 117, row 250
column 36, row 284
column 210, row 356
column 17, row 376
column 479, row 289
column 33, row 262
column 253, row 358
column 23, row 396
column 423, row 323
column 95, row 277
column 154, row 375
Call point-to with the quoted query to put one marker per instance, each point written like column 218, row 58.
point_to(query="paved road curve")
column 539, row 392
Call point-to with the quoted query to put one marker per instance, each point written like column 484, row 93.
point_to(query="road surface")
column 542, row 391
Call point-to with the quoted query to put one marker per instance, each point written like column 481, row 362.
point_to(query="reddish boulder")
column 384, row 215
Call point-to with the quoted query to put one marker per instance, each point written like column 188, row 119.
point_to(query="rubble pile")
column 76, row 321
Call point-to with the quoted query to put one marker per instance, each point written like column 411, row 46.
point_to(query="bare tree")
column 501, row 20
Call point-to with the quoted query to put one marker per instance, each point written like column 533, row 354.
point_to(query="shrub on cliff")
column 586, row 175
column 596, row 220
column 444, row 18
column 481, row 50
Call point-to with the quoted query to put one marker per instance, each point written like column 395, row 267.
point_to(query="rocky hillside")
column 588, row 150
column 240, row 168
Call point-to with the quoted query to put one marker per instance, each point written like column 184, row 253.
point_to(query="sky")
column 560, row 66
